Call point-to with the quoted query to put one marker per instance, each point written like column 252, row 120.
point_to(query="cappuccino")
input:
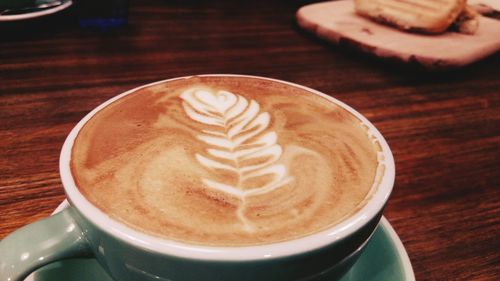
column 226, row 161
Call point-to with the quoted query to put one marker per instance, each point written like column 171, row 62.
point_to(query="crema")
column 226, row 161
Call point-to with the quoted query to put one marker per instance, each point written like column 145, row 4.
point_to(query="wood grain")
column 443, row 128
column 337, row 21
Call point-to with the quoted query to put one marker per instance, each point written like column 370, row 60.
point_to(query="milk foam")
column 238, row 132
column 226, row 161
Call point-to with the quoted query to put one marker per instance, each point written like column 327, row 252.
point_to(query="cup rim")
column 301, row 245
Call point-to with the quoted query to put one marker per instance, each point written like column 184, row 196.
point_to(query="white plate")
column 37, row 14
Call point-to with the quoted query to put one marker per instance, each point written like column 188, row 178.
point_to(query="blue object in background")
column 102, row 14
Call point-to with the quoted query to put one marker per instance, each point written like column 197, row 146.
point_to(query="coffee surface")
column 226, row 161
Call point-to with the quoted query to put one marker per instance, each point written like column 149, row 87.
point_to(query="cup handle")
column 35, row 245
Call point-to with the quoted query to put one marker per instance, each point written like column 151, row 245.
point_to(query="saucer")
column 35, row 14
column 384, row 259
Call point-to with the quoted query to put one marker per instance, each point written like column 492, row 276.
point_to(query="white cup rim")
column 245, row 253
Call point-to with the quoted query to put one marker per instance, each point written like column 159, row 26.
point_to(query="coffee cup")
column 214, row 177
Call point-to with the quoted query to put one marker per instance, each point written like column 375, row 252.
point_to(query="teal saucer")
column 384, row 259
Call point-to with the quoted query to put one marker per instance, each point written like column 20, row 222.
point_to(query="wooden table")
column 443, row 128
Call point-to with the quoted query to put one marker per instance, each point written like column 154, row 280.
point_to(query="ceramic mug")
column 82, row 230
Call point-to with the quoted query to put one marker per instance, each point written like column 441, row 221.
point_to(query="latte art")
column 239, row 135
column 226, row 161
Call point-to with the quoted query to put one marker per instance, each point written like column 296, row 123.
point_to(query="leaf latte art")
column 226, row 161
column 239, row 131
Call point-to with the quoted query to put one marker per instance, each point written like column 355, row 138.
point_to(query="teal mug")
column 83, row 230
